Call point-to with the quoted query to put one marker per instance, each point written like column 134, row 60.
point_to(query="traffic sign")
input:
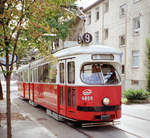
column 86, row 38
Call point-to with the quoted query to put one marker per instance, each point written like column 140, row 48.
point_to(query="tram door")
column 62, row 87
column 66, row 87
column 70, row 89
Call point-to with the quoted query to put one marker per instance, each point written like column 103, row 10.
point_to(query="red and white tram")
column 82, row 85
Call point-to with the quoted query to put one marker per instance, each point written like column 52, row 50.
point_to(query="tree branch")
column 4, row 37
column 14, row 50
column 2, row 68
column 2, row 5
column 19, row 22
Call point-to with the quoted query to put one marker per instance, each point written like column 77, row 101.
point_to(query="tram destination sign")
column 86, row 38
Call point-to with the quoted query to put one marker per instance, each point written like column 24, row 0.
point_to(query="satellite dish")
column 3, row 60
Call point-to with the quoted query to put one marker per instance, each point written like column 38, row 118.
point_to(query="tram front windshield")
column 99, row 74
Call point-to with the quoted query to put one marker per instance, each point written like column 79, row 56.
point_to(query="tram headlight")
column 106, row 101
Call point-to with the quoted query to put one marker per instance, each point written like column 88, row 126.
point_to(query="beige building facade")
column 123, row 24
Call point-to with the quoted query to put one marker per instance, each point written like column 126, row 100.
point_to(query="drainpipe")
column 125, row 48
column 103, row 23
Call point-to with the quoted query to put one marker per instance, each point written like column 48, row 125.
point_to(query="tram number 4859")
column 86, row 38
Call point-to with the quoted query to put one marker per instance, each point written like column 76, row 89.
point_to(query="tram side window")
column 25, row 75
column 20, row 77
column 35, row 75
column 69, row 96
column 31, row 80
column 45, row 73
column 40, row 74
column 73, row 97
column 62, row 95
column 52, row 73
column 61, row 67
column 71, row 72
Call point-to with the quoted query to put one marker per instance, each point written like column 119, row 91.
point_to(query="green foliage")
column 148, row 81
column 124, row 100
column 23, row 24
column 60, row 24
column 148, row 63
column 132, row 94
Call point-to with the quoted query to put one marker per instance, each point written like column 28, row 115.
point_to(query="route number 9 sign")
column 86, row 38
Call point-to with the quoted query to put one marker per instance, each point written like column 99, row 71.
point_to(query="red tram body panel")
column 46, row 95
column 90, row 102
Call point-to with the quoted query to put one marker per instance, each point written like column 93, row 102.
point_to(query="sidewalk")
column 136, row 120
column 23, row 126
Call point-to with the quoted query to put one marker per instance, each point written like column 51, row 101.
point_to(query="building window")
column 136, row 25
column 97, row 14
column 123, row 69
column 135, row 59
column 123, row 10
column 122, row 40
column 106, row 6
column 89, row 18
column 134, row 82
column 97, row 37
column 106, row 33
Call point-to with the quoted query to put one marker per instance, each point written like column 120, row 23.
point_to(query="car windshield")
column 99, row 74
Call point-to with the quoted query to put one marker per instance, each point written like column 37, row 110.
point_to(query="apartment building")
column 123, row 24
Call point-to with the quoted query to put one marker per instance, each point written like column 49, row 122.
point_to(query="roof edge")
column 91, row 6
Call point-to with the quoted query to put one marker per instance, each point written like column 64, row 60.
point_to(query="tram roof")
column 92, row 49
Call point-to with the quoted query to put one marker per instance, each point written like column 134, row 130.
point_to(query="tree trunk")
column 9, row 135
column 1, row 91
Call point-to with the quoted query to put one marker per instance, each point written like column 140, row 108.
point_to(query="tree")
column 1, row 91
column 22, row 25
column 148, row 64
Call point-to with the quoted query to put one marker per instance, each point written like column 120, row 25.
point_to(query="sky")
column 85, row 3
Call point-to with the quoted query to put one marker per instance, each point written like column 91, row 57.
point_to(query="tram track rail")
column 127, row 132
column 134, row 116
column 89, row 136
column 77, row 129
